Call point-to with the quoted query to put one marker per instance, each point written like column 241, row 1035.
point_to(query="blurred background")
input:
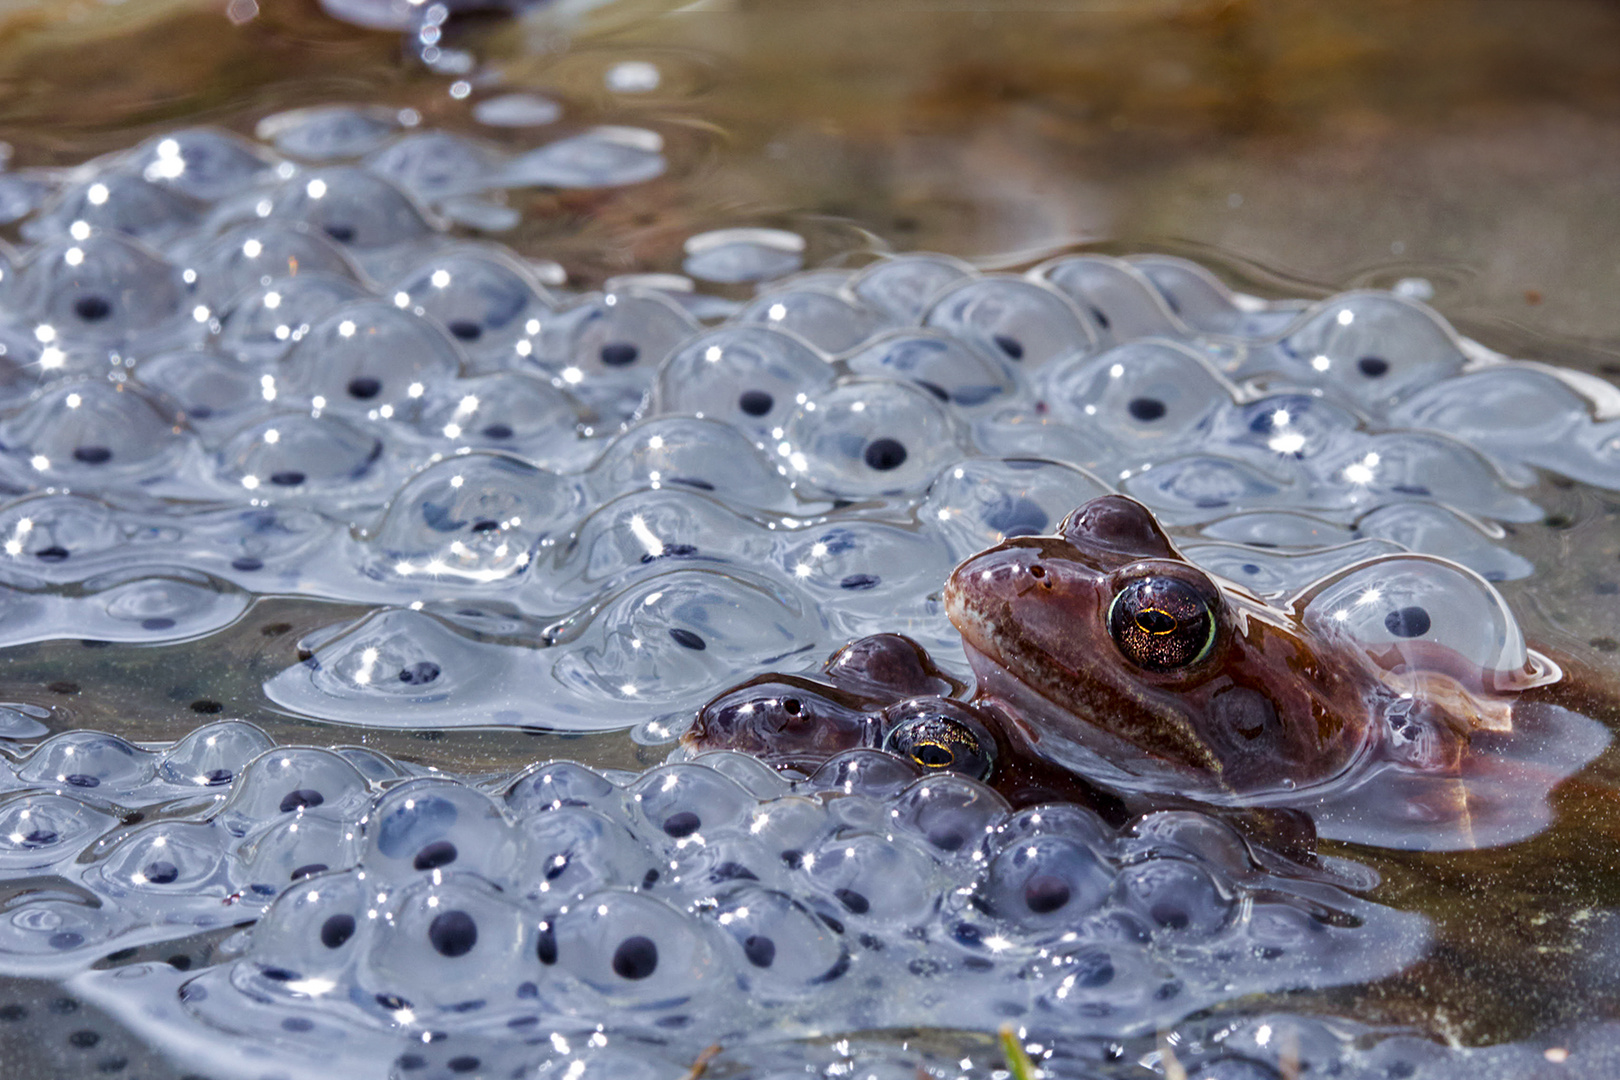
column 1299, row 146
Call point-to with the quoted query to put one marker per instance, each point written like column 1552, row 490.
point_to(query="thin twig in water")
column 701, row 1064
column 1173, row 1069
column 1018, row 1062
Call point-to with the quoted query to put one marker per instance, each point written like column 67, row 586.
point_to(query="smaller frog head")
column 1110, row 645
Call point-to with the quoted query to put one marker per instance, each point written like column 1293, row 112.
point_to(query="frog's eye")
column 939, row 743
column 1162, row 623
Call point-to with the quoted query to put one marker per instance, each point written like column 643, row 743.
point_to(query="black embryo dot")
column 1374, row 367
column 453, row 934
column 1407, row 622
column 336, row 930
column 434, row 855
column 1045, row 893
column 687, row 639
column 853, row 900
column 761, row 951
column 92, row 455
column 1146, row 409
column 619, row 354
column 161, row 872
column 419, row 674
column 885, row 454
column 682, row 823
column 755, row 402
column 92, row 308
column 364, row 388
column 297, row 800
column 635, row 958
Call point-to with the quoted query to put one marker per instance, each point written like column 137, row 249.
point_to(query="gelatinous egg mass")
column 297, row 366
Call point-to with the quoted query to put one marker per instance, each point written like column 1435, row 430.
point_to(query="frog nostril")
column 791, row 706
column 1037, row 571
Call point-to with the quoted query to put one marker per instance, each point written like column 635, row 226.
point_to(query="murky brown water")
column 1475, row 142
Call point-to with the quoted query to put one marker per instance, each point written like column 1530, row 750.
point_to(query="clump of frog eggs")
column 231, row 368
column 700, row 900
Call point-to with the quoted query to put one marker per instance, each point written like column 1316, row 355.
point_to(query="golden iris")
column 938, row 743
column 1161, row 623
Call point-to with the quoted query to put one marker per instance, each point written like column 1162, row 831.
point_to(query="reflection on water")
column 450, row 380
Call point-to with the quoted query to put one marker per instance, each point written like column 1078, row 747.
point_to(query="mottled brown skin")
column 869, row 687
column 878, row 682
column 1265, row 707
column 1114, row 674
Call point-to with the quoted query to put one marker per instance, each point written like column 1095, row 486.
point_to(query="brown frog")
column 885, row 692
column 1392, row 702
column 1107, row 643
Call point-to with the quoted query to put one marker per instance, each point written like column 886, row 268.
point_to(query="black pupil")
column 933, row 756
column 1154, row 621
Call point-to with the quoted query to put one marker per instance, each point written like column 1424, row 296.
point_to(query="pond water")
column 387, row 411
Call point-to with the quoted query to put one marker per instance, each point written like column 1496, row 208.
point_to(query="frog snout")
column 997, row 576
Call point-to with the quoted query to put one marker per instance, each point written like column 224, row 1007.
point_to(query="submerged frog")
column 1394, row 701
column 885, row 692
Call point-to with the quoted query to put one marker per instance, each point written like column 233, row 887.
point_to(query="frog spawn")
column 476, row 355
column 239, row 822
column 857, row 387
column 749, row 507
column 699, row 899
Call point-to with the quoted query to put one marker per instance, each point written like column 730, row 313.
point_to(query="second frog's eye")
column 1162, row 623
column 940, row 743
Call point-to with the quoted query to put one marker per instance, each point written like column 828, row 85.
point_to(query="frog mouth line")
column 1078, row 744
